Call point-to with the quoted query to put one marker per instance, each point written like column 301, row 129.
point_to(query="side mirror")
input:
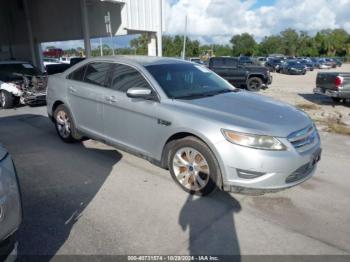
column 140, row 92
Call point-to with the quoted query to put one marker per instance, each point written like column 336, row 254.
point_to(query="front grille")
column 304, row 139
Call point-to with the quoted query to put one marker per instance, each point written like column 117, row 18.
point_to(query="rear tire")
column 193, row 166
column 7, row 100
column 65, row 126
column 336, row 99
column 254, row 84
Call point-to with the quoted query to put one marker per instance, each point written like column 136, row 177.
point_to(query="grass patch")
column 334, row 126
column 339, row 129
column 307, row 106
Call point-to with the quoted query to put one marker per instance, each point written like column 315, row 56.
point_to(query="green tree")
column 140, row 44
column 340, row 40
column 290, row 39
column 243, row 44
column 221, row 50
column 306, row 45
column 270, row 45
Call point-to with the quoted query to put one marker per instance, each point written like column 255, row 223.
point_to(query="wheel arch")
column 54, row 107
column 182, row 134
column 261, row 76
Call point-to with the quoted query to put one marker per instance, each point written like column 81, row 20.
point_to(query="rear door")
column 237, row 73
column 85, row 94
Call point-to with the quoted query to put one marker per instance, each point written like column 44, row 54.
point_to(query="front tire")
column 65, row 126
column 7, row 100
column 336, row 99
column 193, row 166
column 254, row 84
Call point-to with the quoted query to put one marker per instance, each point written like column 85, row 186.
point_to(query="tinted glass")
column 96, row 74
column 217, row 62
column 78, row 74
column 25, row 68
column 188, row 80
column 230, row 62
column 125, row 77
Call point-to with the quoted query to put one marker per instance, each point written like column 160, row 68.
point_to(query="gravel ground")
column 298, row 91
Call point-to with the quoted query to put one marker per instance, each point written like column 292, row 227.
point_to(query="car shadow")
column 322, row 100
column 58, row 181
column 211, row 226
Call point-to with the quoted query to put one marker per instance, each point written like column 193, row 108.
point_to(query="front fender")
column 11, row 88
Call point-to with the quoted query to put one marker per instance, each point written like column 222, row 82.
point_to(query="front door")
column 130, row 122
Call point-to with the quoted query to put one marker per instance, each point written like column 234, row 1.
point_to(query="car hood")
column 248, row 112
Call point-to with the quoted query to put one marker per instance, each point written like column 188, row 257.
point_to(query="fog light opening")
column 247, row 174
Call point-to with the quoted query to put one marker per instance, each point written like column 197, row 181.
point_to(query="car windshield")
column 294, row 63
column 19, row 68
column 188, row 81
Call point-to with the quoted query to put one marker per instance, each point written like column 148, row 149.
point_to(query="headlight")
column 254, row 141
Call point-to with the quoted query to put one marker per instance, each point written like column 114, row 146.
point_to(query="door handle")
column 111, row 99
column 72, row 90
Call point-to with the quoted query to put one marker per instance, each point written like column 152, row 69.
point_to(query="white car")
column 324, row 66
column 10, row 207
column 21, row 83
column 51, row 61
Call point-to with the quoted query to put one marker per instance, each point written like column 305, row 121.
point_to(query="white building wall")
column 141, row 15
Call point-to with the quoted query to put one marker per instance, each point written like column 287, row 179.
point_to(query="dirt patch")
column 307, row 106
column 329, row 116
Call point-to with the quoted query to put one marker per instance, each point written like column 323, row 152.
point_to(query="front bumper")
column 37, row 98
column 252, row 169
column 11, row 208
column 297, row 72
column 332, row 93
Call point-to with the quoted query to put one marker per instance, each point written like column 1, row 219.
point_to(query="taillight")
column 338, row 81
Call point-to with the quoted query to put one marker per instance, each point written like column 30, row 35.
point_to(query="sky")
column 216, row 21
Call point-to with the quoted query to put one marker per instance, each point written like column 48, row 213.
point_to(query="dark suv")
column 243, row 76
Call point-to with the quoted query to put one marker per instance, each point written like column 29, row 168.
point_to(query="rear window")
column 224, row 62
column 78, row 74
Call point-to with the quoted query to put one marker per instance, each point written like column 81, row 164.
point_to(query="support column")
column 86, row 29
column 39, row 56
column 160, row 30
column 30, row 32
column 152, row 44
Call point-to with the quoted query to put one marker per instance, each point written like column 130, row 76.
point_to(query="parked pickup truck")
column 334, row 85
column 242, row 76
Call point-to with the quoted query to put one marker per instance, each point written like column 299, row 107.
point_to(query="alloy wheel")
column 191, row 169
column 63, row 124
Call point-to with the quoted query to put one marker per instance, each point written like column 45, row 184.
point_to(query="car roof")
column 140, row 60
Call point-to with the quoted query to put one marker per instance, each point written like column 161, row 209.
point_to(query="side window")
column 125, row 77
column 230, row 62
column 78, row 74
column 96, row 74
column 218, row 62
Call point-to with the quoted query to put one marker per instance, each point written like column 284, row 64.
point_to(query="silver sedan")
column 185, row 118
column 10, row 207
